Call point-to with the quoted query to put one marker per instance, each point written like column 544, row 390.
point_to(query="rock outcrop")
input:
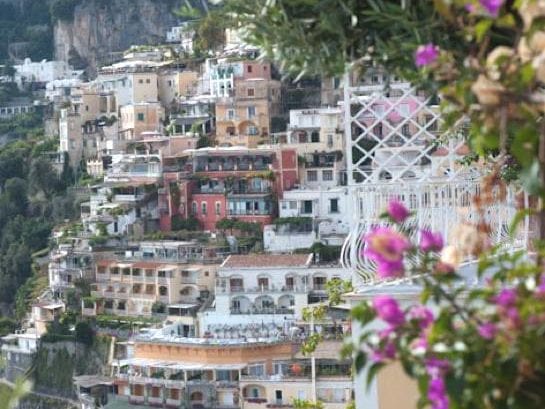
column 100, row 29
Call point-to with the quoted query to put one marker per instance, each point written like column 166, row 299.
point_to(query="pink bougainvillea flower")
column 436, row 367
column 397, row 211
column 390, row 269
column 470, row 8
column 421, row 342
column 492, row 7
column 430, row 241
column 384, row 353
column 488, row 330
column 426, row 55
column 384, row 244
column 388, row 310
column 437, row 393
column 506, row 298
column 423, row 315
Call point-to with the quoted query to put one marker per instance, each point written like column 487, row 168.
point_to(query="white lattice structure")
column 395, row 149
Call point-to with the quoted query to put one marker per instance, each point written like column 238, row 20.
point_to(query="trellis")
column 396, row 147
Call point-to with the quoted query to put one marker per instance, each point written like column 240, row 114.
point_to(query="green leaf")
column 506, row 21
column 372, row 373
column 524, row 145
column 519, row 217
column 529, row 177
column 481, row 28
column 360, row 361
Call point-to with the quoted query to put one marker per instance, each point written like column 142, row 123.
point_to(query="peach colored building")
column 139, row 118
column 175, row 84
column 244, row 118
column 171, row 371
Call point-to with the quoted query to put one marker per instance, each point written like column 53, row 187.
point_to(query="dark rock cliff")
column 100, row 29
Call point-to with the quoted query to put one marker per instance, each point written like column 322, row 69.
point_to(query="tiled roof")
column 268, row 260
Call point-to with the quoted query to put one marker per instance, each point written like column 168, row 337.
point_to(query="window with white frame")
column 327, row 175
column 203, row 207
column 251, row 112
column 312, row 175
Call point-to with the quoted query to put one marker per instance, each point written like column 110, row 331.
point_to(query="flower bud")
column 451, row 256
column 524, row 51
column 537, row 41
column 488, row 92
column 531, row 9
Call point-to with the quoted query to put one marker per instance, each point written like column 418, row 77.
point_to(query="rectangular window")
column 293, row 204
column 250, row 92
column 256, row 370
column 140, row 117
column 312, row 175
column 249, row 68
column 327, row 175
column 203, row 207
column 230, row 113
column 140, row 81
column 307, row 207
column 194, row 208
column 251, row 112
column 218, row 208
column 148, row 81
column 333, row 205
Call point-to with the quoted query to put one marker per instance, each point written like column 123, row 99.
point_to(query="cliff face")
column 100, row 28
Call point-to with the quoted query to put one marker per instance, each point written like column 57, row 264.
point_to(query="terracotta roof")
column 268, row 260
column 105, row 263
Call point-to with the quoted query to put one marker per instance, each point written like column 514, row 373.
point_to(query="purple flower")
column 470, row 8
column 420, row 343
column 506, row 298
column 384, row 353
column 384, row 244
column 436, row 367
column 397, row 211
column 430, row 241
column 426, row 55
column 390, row 269
column 423, row 315
column 488, row 330
column 513, row 315
column 388, row 310
column 437, row 394
column 492, row 7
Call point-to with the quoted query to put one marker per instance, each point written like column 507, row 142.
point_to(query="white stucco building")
column 263, row 289
column 44, row 71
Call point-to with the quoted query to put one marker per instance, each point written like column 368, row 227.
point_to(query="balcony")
column 135, row 400
column 243, row 212
column 262, row 290
column 251, row 190
column 262, row 311
column 227, row 384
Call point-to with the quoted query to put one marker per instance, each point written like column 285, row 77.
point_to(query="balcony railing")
column 263, row 289
column 262, row 311
column 243, row 212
